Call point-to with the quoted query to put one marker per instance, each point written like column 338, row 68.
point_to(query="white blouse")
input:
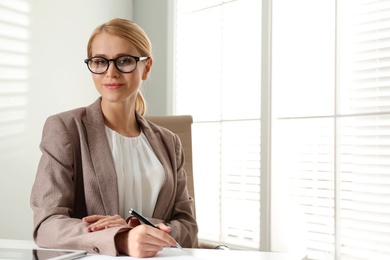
column 139, row 172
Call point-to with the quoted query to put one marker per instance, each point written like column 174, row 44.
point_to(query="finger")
column 156, row 242
column 93, row 218
column 110, row 219
column 97, row 227
column 144, row 235
column 159, row 237
column 96, row 222
column 143, row 244
column 164, row 227
column 116, row 225
column 106, row 222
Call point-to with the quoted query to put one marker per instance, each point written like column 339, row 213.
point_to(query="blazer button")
column 96, row 249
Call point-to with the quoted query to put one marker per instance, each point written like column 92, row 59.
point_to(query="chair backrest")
column 180, row 125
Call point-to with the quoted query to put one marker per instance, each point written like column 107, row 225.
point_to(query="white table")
column 216, row 254
column 202, row 254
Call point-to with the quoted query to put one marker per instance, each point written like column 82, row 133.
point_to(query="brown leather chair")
column 182, row 126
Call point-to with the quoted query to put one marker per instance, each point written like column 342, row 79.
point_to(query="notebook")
column 40, row 254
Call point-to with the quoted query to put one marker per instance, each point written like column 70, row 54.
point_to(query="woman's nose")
column 112, row 71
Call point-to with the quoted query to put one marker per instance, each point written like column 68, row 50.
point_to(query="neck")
column 121, row 118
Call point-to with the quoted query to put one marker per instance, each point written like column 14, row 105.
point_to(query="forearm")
column 72, row 234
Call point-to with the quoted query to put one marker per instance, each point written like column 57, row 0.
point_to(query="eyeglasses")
column 125, row 63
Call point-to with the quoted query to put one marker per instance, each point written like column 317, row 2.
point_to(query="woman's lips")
column 113, row 85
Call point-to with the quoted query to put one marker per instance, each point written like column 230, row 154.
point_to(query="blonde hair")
column 132, row 32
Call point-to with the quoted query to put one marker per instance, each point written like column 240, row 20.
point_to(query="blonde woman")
column 101, row 160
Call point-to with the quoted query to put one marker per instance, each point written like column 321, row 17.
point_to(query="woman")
column 99, row 161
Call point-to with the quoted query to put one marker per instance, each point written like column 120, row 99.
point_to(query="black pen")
column 147, row 222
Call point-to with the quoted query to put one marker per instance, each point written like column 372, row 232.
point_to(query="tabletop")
column 177, row 254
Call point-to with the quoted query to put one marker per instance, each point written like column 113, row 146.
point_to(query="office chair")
column 182, row 126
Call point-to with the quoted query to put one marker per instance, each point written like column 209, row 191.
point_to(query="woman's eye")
column 125, row 61
column 99, row 62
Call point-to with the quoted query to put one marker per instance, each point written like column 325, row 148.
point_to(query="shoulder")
column 66, row 118
column 71, row 114
column 75, row 120
column 77, row 115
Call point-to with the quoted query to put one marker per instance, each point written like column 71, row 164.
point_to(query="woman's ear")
column 147, row 69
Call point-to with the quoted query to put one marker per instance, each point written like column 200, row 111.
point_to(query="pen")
column 147, row 222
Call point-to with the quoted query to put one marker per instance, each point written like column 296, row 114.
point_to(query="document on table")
column 166, row 253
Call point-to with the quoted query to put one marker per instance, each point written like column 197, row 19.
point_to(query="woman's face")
column 113, row 85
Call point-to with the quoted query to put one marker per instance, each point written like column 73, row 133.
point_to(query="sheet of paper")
column 166, row 253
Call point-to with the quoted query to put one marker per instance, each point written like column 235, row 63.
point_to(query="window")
column 218, row 83
column 330, row 126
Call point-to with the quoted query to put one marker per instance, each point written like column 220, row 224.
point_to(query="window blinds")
column 364, row 140
column 218, row 83
column 330, row 128
column 336, row 150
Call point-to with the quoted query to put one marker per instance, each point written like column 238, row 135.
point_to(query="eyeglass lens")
column 125, row 64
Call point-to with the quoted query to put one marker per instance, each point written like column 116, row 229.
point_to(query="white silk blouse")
column 139, row 172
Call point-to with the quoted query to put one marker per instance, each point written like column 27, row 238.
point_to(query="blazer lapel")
column 165, row 196
column 101, row 158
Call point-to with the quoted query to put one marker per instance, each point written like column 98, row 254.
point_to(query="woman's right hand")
column 144, row 241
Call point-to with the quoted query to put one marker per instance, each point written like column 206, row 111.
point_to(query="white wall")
column 156, row 18
column 57, row 80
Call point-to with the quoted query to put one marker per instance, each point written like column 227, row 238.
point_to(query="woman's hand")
column 144, row 241
column 99, row 222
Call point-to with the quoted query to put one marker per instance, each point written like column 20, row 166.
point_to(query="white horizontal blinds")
column 197, row 92
column 365, row 182
column 240, row 183
column 240, row 135
column 364, row 135
column 303, row 127
column 14, row 59
column 206, row 152
column 365, row 56
column 218, row 82
column 305, row 159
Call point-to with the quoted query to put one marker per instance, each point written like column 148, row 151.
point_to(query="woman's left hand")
column 99, row 222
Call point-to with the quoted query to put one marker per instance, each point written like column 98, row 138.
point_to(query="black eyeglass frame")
column 137, row 59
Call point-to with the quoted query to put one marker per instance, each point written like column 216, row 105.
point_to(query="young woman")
column 101, row 160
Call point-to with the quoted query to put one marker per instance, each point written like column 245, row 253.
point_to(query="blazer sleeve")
column 53, row 197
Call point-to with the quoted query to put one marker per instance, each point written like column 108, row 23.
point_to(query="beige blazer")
column 76, row 178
